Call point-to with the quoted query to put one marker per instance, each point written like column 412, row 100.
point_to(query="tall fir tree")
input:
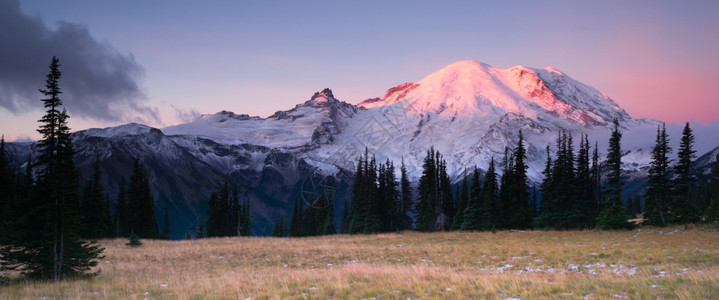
column 472, row 213
column 427, row 193
column 614, row 214
column 684, row 201
column 225, row 213
column 514, row 192
column 296, row 221
column 547, row 185
column 435, row 209
column 365, row 204
column 245, row 217
column 489, row 196
column 595, row 187
column 614, row 162
column 235, row 212
column 583, row 181
column 141, row 204
column 45, row 243
column 658, row 210
column 445, row 208
column 561, row 206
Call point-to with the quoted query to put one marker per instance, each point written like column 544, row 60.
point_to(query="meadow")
column 651, row 263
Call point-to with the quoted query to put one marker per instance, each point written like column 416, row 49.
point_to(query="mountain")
column 470, row 111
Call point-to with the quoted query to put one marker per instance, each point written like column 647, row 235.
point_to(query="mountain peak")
column 476, row 88
column 323, row 96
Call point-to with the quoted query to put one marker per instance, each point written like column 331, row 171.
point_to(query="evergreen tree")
column 658, row 210
column 45, row 243
column 296, row 221
column 133, row 240
column 472, row 213
column 235, row 212
column 436, row 210
column 445, row 207
column 311, row 217
column 505, row 192
column 595, row 189
column 366, row 213
column 489, row 196
column 614, row 162
column 561, row 206
column 427, row 193
column 94, row 209
column 515, row 191
column 583, row 181
column 141, row 204
column 684, row 202
column 614, row 215
column 245, row 218
column 213, row 216
column 389, row 203
column 547, row 185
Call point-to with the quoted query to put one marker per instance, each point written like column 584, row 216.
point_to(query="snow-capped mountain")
column 469, row 111
column 305, row 127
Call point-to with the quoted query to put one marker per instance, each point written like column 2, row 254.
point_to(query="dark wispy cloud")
column 99, row 82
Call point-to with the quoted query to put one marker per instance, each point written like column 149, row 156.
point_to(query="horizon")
column 170, row 63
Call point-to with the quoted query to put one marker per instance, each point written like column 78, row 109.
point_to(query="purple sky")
column 168, row 61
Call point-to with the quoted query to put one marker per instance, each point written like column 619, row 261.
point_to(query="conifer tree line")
column 378, row 202
column 573, row 193
column 135, row 208
column 227, row 215
column 672, row 196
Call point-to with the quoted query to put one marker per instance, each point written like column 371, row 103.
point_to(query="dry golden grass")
column 656, row 263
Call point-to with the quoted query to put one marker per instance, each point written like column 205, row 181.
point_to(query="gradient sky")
column 656, row 59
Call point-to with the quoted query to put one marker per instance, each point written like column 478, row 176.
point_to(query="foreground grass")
column 656, row 263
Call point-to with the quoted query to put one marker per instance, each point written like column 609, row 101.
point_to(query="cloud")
column 185, row 115
column 98, row 81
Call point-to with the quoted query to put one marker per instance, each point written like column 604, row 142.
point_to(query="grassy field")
column 676, row 263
